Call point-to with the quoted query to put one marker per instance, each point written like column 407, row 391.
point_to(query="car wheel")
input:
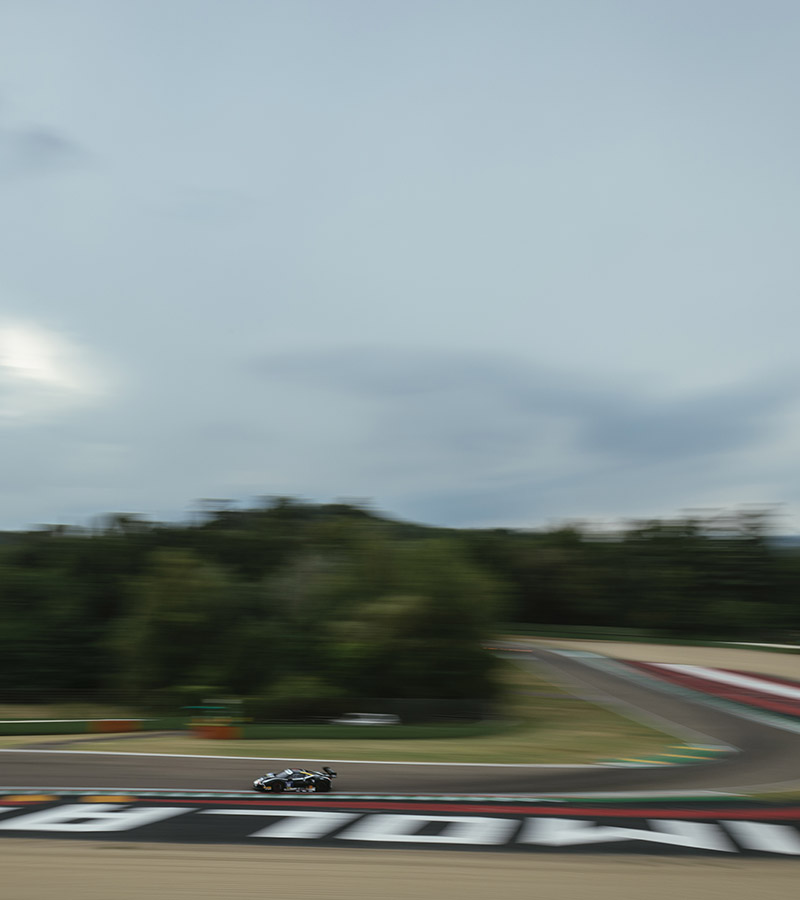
column 322, row 785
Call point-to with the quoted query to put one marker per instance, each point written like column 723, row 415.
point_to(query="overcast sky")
column 482, row 262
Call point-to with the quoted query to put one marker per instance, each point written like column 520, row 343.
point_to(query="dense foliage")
column 304, row 607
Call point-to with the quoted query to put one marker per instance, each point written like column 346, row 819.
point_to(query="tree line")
column 304, row 607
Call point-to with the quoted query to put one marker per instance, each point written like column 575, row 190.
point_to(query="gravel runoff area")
column 781, row 665
column 80, row 870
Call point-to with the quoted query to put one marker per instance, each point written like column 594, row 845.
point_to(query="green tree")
column 176, row 630
column 422, row 635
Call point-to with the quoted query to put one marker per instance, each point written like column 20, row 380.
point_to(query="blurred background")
column 290, row 611
column 522, row 273
column 467, row 319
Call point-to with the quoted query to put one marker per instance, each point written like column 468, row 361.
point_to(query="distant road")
column 751, row 659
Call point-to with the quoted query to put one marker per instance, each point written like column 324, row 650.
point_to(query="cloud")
column 464, row 437
column 33, row 151
column 453, row 396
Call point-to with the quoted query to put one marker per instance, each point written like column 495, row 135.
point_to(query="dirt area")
column 87, row 870
column 781, row 665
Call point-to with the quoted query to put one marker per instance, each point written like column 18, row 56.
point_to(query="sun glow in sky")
column 40, row 372
column 32, row 354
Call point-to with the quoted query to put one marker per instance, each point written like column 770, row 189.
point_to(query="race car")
column 297, row 781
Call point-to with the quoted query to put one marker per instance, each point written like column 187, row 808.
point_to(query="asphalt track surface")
column 767, row 755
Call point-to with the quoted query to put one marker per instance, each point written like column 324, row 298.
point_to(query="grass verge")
column 66, row 711
column 547, row 725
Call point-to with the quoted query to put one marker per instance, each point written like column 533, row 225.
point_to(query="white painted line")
column 744, row 681
column 193, row 794
column 365, row 762
column 200, row 794
column 757, row 644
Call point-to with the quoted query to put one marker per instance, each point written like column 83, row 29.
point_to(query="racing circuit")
column 188, row 799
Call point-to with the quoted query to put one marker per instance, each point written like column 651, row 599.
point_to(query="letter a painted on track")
column 80, row 817
column 766, row 837
column 552, row 832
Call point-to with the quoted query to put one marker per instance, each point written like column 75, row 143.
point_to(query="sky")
column 498, row 263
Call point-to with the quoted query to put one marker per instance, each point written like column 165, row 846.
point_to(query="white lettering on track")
column 766, row 836
column 295, row 823
column 458, row 829
column 95, row 817
column 551, row 832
